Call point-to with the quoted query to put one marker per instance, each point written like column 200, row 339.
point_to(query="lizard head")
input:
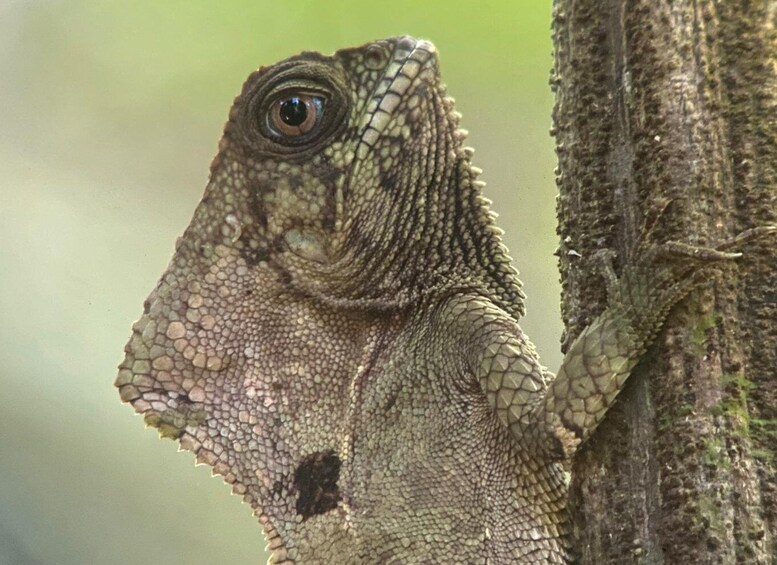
column 323, row 146
column 352, row 179
column 341, row 193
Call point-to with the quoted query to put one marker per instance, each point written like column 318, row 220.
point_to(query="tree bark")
column 660, row 100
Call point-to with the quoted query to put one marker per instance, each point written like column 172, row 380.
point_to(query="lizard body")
column 337, row 333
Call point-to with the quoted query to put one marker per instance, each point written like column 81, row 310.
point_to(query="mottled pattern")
column 337, row 332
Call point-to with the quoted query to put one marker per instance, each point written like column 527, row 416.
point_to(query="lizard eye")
column 295, row 114
column 293, row 109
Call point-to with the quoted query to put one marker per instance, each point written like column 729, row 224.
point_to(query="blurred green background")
column 109, row 115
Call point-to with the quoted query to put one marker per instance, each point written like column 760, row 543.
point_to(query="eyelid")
column 314, row 78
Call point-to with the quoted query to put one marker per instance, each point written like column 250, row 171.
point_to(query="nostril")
column 376, row 57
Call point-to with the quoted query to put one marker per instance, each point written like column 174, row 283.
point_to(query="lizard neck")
column 454, row 247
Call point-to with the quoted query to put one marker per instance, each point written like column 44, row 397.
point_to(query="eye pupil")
column 293, row 111
column 296, row 114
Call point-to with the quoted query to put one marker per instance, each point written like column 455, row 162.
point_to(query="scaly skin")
column 337, row 333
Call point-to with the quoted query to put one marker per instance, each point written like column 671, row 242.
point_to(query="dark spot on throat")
column 316, row 482
column 388, row 182
column 391, row 402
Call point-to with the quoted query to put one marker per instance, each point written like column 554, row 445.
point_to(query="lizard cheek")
column 306, row 244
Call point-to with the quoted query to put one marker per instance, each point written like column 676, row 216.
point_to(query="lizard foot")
column 664, row 273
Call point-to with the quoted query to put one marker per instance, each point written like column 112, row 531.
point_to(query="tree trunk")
column 675, row 101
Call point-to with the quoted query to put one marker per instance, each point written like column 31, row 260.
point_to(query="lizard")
column 337, row 334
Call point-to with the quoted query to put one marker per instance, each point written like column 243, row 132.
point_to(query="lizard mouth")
column 153, row 385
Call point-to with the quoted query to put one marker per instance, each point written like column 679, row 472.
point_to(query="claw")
column 678, row 249
column 747, row 236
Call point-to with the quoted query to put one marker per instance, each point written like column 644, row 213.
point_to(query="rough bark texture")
column 675, row 100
